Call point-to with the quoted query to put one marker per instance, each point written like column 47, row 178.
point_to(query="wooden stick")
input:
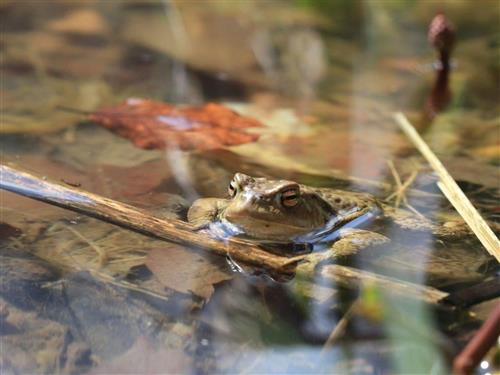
column 183, row 233
column 452, row 191
column 352, row 277
column 129, row 217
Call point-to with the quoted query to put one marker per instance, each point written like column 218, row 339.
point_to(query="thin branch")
column 101, row 254
column 138, row 220
column 183, row 233
column 397, row 180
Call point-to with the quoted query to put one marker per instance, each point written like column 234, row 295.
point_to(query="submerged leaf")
column 145, row 357
column 156, row 125
column 186, row 271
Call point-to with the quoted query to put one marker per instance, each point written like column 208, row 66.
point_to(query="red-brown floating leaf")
column 186, row 271
column 156, row 125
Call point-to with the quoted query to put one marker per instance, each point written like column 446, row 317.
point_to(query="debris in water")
column 187, row 271
column 155, row 125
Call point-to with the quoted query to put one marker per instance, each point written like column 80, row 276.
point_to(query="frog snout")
column 255, row 198
column 250, row 197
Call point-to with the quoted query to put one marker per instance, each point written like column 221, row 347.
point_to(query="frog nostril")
column 242, row 178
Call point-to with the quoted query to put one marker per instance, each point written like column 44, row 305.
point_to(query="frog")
column 273, row 211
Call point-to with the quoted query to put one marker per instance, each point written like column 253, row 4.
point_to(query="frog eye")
column 231, row 189
column 290, row 198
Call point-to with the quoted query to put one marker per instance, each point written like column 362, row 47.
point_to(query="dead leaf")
column 156, row 125
column 186, row 271
column 146, row 358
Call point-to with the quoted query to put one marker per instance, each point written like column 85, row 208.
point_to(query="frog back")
column 345, row 201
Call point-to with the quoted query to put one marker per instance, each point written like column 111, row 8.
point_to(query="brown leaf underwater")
column 156, row 125
column 186, row 271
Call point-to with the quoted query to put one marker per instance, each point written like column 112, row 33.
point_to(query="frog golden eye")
column 231, row 189
column 290, row 198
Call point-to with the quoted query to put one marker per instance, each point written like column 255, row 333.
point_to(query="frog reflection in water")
column 284, row 211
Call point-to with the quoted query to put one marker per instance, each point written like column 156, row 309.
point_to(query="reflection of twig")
column 452, row 191
column 129, row 259
column 125, row 284
column 103, row 277
column 400, row 193
column 414, row 210
column 108, row 279
column 102, row 256
column 339, row 329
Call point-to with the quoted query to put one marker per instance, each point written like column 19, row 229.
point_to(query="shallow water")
column 324, row 79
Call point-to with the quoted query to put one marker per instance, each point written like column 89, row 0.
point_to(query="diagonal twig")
column 138, row 220
column 452, row 191
column 184, row 233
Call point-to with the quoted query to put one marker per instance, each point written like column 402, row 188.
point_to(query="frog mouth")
column 259, row 228
column 223, row 230
column 261, row 220
column 275, row 226
column 331, row 230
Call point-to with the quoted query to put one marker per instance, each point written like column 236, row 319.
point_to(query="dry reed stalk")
column 452, row 191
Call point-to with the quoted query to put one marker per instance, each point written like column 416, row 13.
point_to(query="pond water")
column 79, row 295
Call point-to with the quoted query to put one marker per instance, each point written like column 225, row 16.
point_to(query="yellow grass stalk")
column 452, row 191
